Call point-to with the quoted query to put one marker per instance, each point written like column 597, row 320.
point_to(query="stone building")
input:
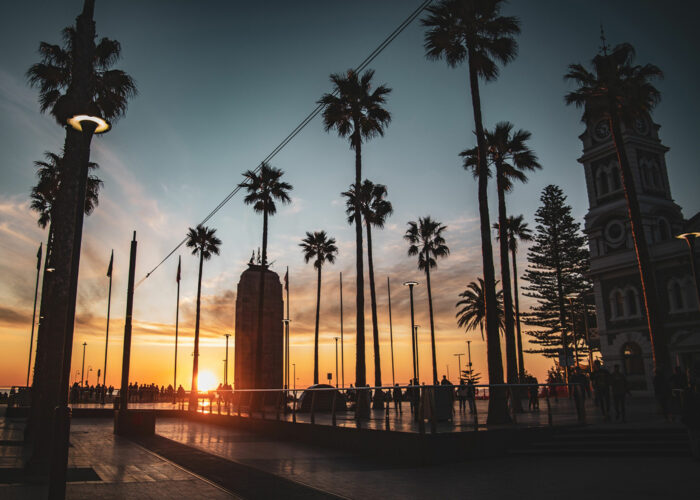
column 622, row 328
column 246, row 329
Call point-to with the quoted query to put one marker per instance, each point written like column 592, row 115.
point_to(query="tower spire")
column 603, row 40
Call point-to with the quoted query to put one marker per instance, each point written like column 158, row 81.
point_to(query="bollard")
column 549, row 408
column 335, row 395
column 313, row 406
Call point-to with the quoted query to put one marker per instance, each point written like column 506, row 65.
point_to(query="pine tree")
column 557, row 263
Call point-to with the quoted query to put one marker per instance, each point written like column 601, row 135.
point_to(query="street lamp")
column 336, row 361
column 571, row 298
column 101, row 125
column 459, row 364
column 286, row 322
column 227, row 335
column 410, row 285
column 415, row 340
column 690, row 240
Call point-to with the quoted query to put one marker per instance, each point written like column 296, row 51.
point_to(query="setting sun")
column 207, row 381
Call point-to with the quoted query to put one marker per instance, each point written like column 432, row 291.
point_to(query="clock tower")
column 621, row 321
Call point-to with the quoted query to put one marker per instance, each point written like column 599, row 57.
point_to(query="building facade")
column 622, row 327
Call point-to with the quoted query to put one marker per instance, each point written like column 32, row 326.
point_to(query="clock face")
column 641, row 126
column 602, row 130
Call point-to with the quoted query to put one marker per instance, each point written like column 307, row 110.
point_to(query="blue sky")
column 221, row 83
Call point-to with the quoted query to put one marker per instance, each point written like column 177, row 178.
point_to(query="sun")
column 207, row 381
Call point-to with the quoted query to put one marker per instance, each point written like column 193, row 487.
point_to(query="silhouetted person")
column 619, row 391
column 462, row 395
column 397, row 396
column 601, row 379
column 471, row 396
column 533, row 399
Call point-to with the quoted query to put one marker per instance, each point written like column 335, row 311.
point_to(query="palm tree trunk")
column 511, row 356
column 498, row 410
column 432, row 323
column 195, row 361
column 373, row 300
column 659, row 347
column 521, row 361
column 318, row 309
column 259, row 374
column 360, row 368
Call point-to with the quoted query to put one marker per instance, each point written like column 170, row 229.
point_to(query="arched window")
column 675, row 295
column 632, row 359
column 602, row 181
column 617, row 304
column 664, row 230
column 615, row 178
column 631, row 302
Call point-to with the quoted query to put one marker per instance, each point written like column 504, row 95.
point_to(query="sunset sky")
column 221, row 84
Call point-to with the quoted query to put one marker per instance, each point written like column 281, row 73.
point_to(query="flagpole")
column 177, row 322
column 36, row 291
column 286, row 333
column 391, row 333
column 342, row 354
column 109, row 306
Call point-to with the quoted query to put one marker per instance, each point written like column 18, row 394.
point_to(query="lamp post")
column 459, row 363
column 690, row 240
column 342, row 353
column 336, row 361
column 391, row 333
column 36, row 292
column 410, row 285
column 227, row 335
column 469, row 358
column 294, row 376
column 82, row 369
column 571, row 298
column 285, row 382
column 415, row 341
column 87, row 377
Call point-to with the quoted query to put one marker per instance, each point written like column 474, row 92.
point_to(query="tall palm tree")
column 321, row 248
column 475, row 32
column 516, row 230
column 508, row 152
column 264, row 188
column 73, row 78
column 202, row 241
column 426, row 241
column 375, row 209
column 620, row 91
column 473, row 307
column 355, row 110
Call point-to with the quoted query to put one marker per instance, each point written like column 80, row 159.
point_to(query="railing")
column 429, row 405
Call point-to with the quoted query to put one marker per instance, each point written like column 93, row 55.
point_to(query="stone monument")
column 247, row 329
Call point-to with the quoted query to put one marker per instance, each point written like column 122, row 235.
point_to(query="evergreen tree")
column 557, row 263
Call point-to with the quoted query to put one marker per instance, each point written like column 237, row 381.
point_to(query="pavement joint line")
column 193, row 474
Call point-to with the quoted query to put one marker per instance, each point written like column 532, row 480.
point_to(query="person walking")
column 462, row 395
column 471, row 396
column 601, row 387
column 619, row 391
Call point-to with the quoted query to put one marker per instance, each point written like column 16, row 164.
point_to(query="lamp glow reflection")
column 102, row 124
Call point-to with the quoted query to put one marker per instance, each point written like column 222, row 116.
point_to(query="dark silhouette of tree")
column 473, row 307
column 375, row 208
column 319, row 248
column 73, row 78
column 621, row 92
column 516, row 230
column 426, row 241
column 558, row 262
column 202, row 241
column 355, row 110
column 475, row 32
column 508, row 153
column 264, row 188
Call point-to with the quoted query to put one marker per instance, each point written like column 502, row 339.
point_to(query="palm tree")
column 264, row 188
column 355, row 110
column 203, row 242
column 426, row 241
column 516, row 230
column 473, row 309
column 621, row 92
column 508, row 153
column 72, row 78
column 375, row 209
column 321, row 248
column 475, row 32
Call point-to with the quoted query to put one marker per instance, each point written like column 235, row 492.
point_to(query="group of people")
column 89, row 393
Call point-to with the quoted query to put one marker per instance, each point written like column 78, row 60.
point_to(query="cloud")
column 13, row 317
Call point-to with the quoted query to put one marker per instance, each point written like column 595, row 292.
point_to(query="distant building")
column 622, row 327
column 247, row 330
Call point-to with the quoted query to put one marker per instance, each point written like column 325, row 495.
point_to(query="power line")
column 380, row 48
